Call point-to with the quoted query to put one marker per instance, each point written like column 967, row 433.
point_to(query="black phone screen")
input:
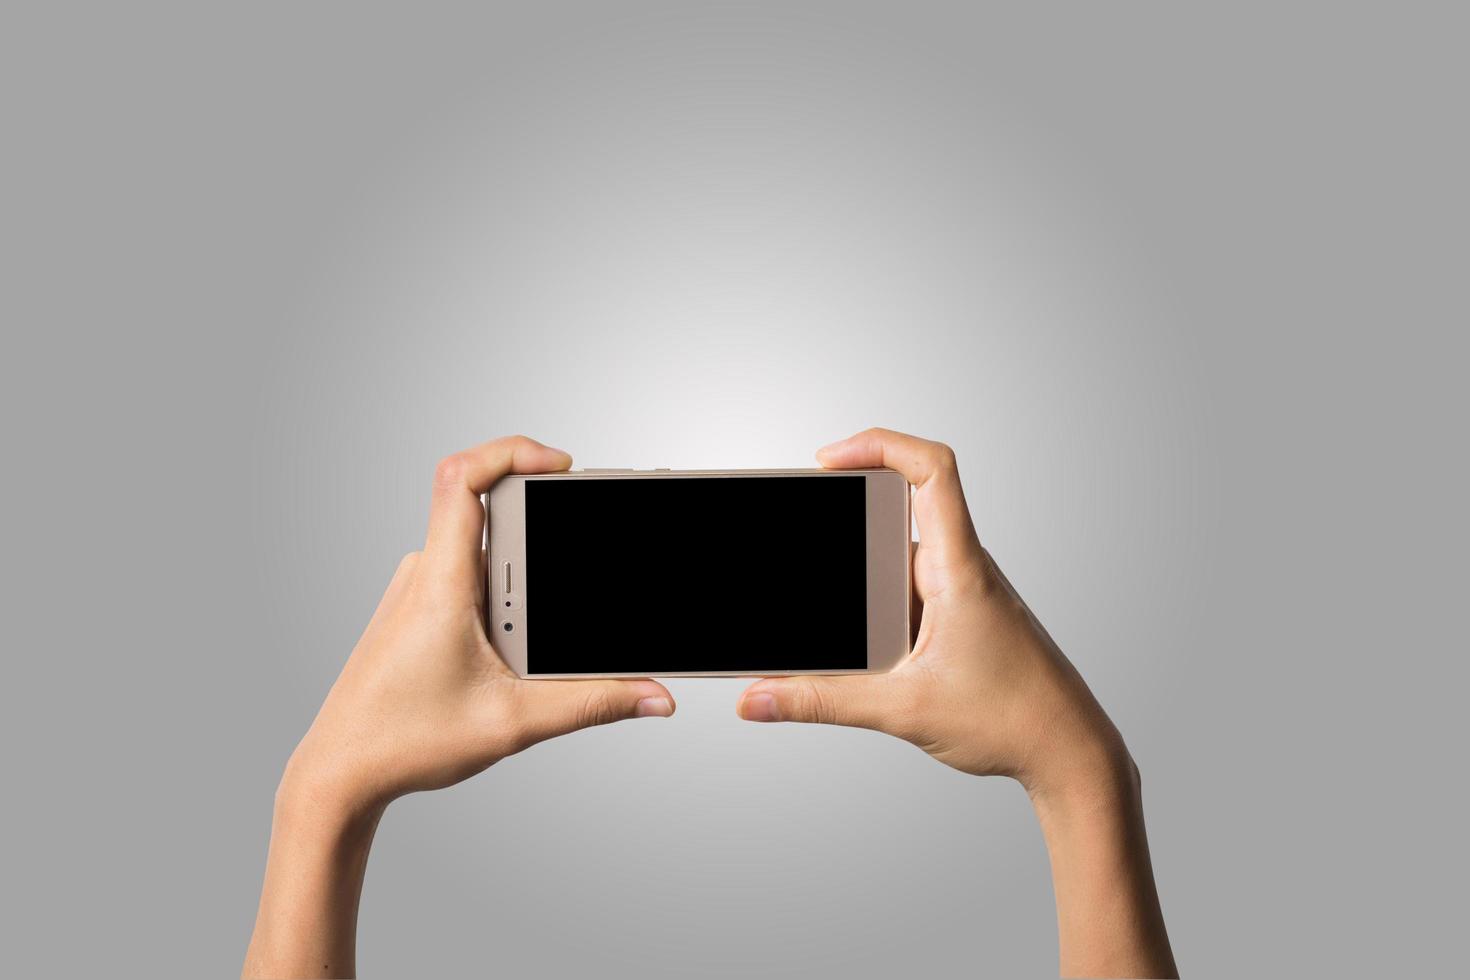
column 665, row 574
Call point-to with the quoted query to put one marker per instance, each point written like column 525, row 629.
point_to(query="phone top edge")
column 598, row 473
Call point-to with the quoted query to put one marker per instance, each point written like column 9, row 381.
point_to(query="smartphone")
column 633, row 573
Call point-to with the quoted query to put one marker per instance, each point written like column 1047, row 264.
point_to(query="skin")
column 987, row 691
column 424, row 702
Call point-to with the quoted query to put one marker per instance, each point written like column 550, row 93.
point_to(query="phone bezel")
column 888, row 564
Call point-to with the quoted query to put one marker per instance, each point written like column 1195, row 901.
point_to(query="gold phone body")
column 510, row 592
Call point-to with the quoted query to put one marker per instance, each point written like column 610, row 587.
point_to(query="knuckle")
column 816, row 703
column 944, row 457
column 597, row 709
column 449, row 473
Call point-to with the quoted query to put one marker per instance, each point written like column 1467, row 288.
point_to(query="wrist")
column 313, row 792
column 306, row 822
column 1095, row 777
column 320, row 842
column 1108, row 915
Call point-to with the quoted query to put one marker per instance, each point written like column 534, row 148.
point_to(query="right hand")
column 985, row 689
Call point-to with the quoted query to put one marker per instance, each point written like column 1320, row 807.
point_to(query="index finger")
column 456, row 515
column 939, row 500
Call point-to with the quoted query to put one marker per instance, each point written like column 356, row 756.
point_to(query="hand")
column 423, row 702
column 984, row 689
column 987, row 691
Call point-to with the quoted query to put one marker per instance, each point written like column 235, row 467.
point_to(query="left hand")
column 424, row 701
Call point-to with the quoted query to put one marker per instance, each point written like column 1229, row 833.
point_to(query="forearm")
column 307, row 922
column 1109, row 920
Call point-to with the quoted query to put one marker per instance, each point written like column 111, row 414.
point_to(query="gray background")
column 1184, row 290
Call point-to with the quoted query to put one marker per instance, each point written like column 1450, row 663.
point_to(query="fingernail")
column 759, row 707
column 654, row 708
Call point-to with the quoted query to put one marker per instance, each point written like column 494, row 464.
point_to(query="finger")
column 456, row 515
column 939, row 500
column 855, row 700
column 551, row 708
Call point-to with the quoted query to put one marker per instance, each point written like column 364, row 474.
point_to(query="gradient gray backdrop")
column 1184, row 290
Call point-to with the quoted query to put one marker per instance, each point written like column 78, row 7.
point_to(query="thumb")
column 550, row 708
column 857, row 700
